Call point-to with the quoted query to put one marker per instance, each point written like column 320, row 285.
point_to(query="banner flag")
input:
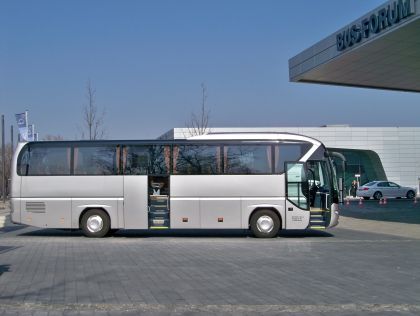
column 31, row 132
column 22, row 122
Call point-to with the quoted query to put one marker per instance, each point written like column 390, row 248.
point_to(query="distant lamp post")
column 418, row 189
column 3, row 158
column 357, row 175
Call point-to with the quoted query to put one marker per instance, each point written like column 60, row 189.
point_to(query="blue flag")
column 22, row 122
column 31, row 133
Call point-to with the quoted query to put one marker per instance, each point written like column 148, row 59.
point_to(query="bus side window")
column 99, row 160
column 159, row 159
column 23, row 163
column 136, row 160
column 46, row 160
column 196, row 159
column 247, row 159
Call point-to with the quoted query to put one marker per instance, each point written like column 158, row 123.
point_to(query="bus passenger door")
column 320, row 193
column 297, row 196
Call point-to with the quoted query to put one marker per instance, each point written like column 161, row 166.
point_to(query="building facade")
column 374, row 153
column 378, row 50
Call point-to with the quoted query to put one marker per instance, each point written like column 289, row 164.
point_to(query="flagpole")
column 11, row 138
column 27, row 124
column 3, row 154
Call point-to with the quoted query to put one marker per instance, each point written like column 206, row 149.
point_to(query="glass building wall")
column 366, row 163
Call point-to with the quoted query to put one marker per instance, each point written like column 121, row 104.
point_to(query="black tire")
column 377, row 195
column 101, row 216
column 366, row 198
column 410, row 195
column 255, row 228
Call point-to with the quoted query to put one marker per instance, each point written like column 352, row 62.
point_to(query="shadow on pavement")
column 4, row 249
column 8, row 229
column 305, row 233
column 192, row 233
column 43, row 232
column 395, row 210
column 196, row 233
column 4, row 268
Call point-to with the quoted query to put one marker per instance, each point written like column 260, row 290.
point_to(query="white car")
column 380, row 189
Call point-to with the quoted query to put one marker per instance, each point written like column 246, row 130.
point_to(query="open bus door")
column 297, row 194
column 308, row 195
column 320, row 193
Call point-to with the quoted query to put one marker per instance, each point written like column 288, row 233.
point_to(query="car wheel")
column 377, row 195
column 366, row 198
column 95, row 223
column 265, row 224
column 411, row 195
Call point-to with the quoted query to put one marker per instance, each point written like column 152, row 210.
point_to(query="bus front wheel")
column 265, row 224
column 95, row 223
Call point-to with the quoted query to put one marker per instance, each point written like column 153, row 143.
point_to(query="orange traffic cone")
column 360, row 201
column 415, row 200
column 381, row 202
column 385, row 201
column 347, row 201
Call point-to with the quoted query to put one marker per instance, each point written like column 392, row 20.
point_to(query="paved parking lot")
column 339, row 272
column 395, row 210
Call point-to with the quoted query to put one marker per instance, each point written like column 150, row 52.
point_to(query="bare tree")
column 50, row 137
column 8, row 160
column 93, row 118
column 199, row 124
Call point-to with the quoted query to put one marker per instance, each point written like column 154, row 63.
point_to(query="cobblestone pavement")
column 339, row 272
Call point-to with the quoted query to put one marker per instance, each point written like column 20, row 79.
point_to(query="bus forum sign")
column 387, row 16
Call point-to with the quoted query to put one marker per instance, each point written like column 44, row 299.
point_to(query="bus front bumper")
column 334, row 215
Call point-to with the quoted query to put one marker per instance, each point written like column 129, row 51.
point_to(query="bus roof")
column 255, row 136
column 210, row 137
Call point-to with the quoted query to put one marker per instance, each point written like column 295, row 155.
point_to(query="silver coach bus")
column 263, row 182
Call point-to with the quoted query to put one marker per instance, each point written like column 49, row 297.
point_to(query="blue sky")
column 147, row 59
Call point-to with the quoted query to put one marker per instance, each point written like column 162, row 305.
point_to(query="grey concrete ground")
column 395, row 210
column 396, row 217
column 340, row 272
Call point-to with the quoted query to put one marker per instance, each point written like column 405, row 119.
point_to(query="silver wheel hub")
column 265, row 224
column 95, row 223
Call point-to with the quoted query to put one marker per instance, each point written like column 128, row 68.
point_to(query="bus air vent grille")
column 35, row 207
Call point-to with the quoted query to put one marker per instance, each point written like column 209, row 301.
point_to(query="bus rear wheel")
column 265, row 224
column 95, row 223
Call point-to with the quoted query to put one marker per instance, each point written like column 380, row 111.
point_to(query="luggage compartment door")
column 135, row 202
